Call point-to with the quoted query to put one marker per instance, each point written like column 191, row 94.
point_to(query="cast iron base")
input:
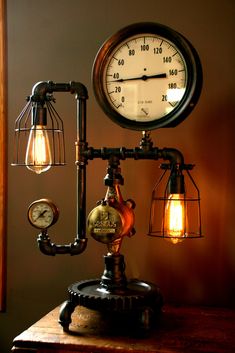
column 134, row 307
column 129, row 305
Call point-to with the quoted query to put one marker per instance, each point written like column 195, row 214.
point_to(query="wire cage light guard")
column 34, row 120
column 162, row 200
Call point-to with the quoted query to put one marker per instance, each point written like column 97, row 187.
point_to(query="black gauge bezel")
column 194, row 72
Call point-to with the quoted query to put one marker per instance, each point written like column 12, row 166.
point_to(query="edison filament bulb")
column 38, row 153
column 175, row 216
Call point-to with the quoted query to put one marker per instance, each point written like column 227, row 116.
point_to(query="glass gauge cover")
column 147, row 76
column 42, row 213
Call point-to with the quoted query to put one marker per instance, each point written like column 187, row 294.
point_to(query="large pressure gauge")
column 147, row 76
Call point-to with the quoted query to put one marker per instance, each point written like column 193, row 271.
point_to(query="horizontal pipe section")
column 41, row 89
column 48, row 248
column 172, row 155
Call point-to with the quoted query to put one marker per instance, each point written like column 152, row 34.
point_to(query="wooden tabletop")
column 179, row 329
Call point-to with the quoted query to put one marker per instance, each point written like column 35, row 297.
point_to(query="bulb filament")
column 38, row 153
column 175, row 218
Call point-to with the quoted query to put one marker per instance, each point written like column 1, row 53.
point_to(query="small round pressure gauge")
column 42, row 213
column 147, row 76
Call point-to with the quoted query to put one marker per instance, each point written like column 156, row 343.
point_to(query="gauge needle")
column 41, row 214
column 144, row 77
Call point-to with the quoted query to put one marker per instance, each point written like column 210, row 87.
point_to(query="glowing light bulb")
column 38, row 153
column 175, row 218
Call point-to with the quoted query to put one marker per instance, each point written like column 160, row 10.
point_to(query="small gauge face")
column 42, row 214
column 147, row 76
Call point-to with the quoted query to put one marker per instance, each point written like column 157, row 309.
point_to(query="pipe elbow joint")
column 40, row 89
column 79, row 89
column 45, row 245
column 173, row 155
column 78, row 246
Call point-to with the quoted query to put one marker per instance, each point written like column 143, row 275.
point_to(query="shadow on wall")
column 201, row 270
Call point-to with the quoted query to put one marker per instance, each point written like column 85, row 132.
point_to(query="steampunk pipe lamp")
column 146, row 76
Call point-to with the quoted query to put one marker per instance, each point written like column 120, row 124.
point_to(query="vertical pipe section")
column 81, row 168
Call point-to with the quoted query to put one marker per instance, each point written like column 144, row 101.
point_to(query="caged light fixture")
column 39, row 133
column 146, row 76
column 175, row 208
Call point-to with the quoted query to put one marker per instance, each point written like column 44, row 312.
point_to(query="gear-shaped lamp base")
column 134, row 304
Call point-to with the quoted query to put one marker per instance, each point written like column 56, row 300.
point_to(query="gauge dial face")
column 147, row 76
column 42, row 213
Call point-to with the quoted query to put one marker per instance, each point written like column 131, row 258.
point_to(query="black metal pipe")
column 39, row 94
column 174, row 156
column 81, row 168
column 48, row 248
column 41, row 89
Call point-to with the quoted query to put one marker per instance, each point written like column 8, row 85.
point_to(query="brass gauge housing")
column 147, row 76
column 42, row 213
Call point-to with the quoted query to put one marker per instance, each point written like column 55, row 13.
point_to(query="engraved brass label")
column 105, row 224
